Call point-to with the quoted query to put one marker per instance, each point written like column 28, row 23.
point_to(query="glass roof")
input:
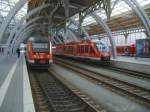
column 120, row 8
column 7, row 5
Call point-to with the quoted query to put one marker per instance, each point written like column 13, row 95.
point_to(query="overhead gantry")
column 55, row 14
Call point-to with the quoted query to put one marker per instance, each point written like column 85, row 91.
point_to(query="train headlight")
column 31, row 61
column 50, row 61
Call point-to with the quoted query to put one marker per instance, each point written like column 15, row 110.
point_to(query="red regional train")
column 86, row 49
column 39, row 52
column 126, row 50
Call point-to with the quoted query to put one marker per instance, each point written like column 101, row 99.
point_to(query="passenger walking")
column 18, row 52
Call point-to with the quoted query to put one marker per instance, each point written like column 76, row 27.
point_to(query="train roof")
column 38, row 39
column 81, row 42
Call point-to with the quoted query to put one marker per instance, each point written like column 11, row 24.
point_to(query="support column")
column 126, row 37
column 66, row 7
column 107, row 30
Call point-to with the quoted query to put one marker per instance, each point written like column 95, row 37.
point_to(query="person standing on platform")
column 18, row 52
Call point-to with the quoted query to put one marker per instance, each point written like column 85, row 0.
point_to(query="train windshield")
column 102, row 47
column 40, row 47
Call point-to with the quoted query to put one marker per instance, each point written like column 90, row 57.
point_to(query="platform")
column 109, row 100
column 15, row 88
column 132, row 63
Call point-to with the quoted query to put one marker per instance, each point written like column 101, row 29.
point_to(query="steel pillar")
column 107, row 30
column 54, row 40
column 66, row 7
column 51, row 15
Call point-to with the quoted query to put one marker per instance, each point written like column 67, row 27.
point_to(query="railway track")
column 132, row 91
column 51, row 95
column 108, row 66
column 136, row 74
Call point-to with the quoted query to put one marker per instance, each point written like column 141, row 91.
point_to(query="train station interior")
column 74, row 55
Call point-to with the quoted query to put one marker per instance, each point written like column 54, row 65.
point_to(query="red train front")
column 84, row 50
column 39, row 52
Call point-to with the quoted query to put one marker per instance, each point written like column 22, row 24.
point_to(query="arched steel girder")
column 24, row 35
column 73, row 35
column 22, row 20
column 35, row 19
column 66, row 7
column 107, row 30
column 51, row 15
column 24, row 26
column 82, row 28
column 53, row 40
column 65, row 35
column 60, row 39
column 70, row 35
column 21, row 29
column 30, row 22
column 29, row 28
column 27, row 32
column 27, row 24
column 140, row 13
column 9, row 17
column 14, row 42
column 26, row 29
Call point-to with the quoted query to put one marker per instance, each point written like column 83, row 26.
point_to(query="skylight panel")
column 7, row 5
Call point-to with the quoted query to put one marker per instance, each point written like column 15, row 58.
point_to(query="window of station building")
column 119, row 39
column 134, row 36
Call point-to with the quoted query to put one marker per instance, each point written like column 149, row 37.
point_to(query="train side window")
column 78, row 49
column 86, row 49
column 91, row 50
column 82, row 49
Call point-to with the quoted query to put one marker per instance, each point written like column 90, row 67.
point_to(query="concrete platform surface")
column 115, row 74
column 136, row 60
column 110, row 100
column 132, row 63
column 15, row 88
